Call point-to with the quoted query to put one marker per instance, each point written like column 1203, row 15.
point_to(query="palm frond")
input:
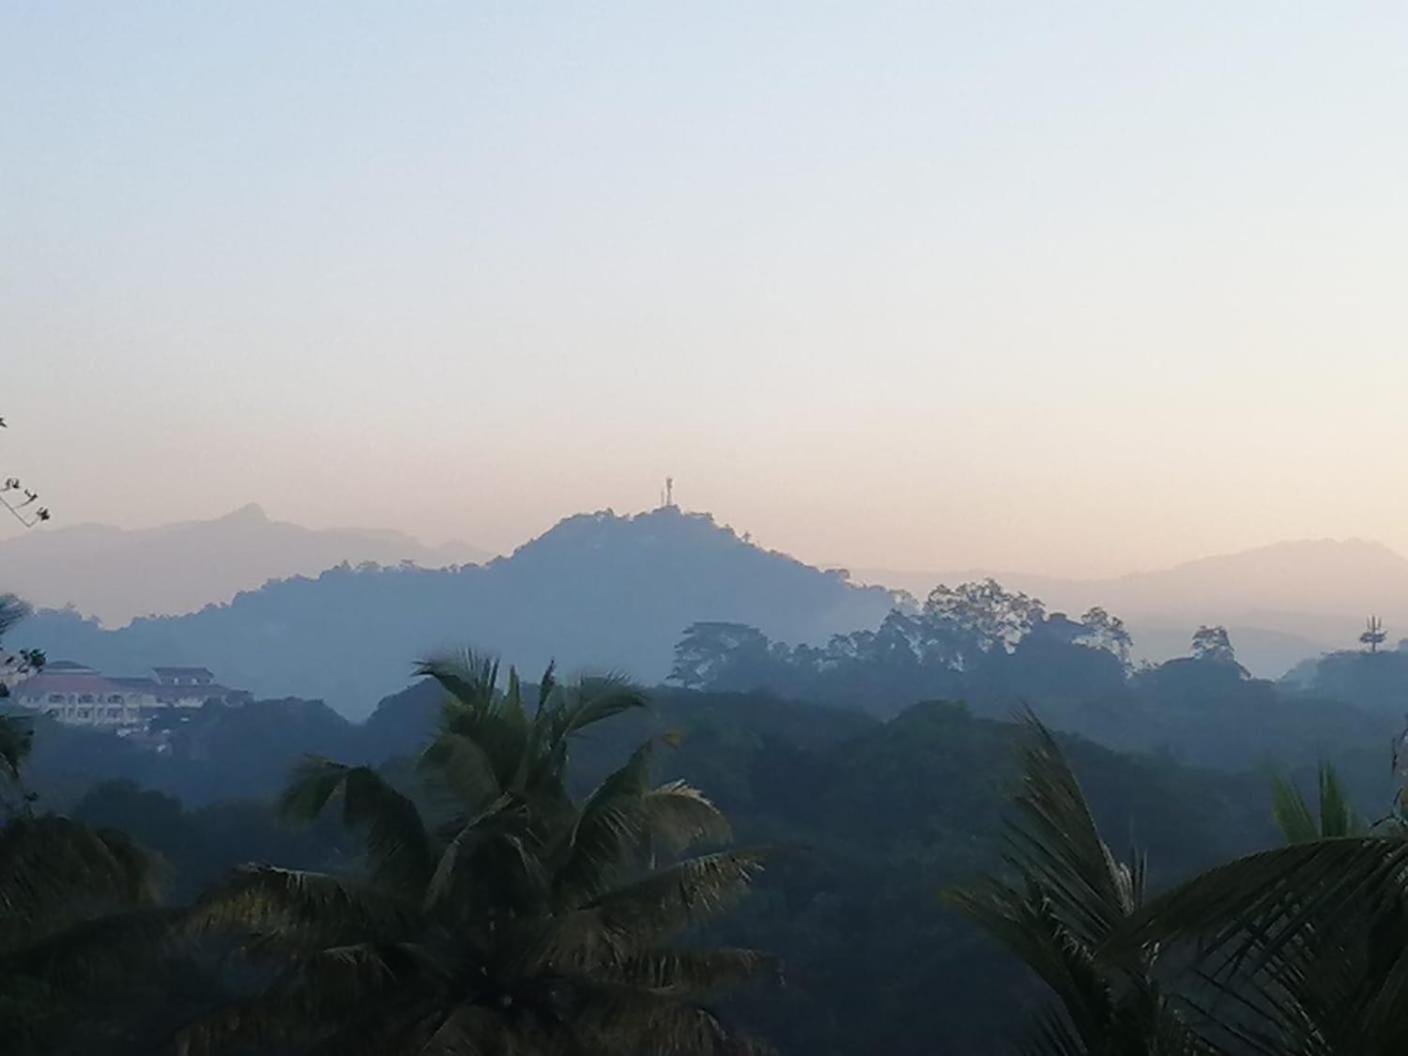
column 1311, row 939
column 268, row 1019
column 680, row 816
column 101, row 950
column 301, row 910
column 639, row 915
column 1337, row 816
column 1051, row 1034
column 1066, row 896
column 461, row 764
column 1024, row 920
column 51, row 867
column 1292, row 814
column 1056, row 841
column 402, row 981
column 692, row 973
column 598, row 698
column 471, row 1030
column 627, row 1019
column 1300, row 824
column 673, row 899
column 506, row 930
column 496, row 820
column 469, row 678
column 304, row 1007
column 625, row 819
column 511, row 703
column 608, row 830
column 547, row 684
column 1320, row 993
column 141, row 872
column 16, row 742
column 398, row 846
column 1387, row 964
column 1262, row 901
column 385, row 1029
column 474, row 708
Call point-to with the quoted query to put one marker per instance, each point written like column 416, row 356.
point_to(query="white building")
column 81, row 696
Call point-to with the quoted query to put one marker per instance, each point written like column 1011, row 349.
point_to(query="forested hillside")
column 597, row 591
column 1002, row 651
column 876, row 769
column 871, row 818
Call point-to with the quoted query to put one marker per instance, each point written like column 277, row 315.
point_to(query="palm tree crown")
column 1064, row 896
column 1303, row 948
column 514, row 918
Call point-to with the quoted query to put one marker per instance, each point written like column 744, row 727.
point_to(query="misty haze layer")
column 604, row 591
column 115, row 575
column 598, row 591
column 1076, row 290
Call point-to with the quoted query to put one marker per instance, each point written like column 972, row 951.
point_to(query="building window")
column 56, row 698
column 86, row 698
column 83, row 713
column 115, row 698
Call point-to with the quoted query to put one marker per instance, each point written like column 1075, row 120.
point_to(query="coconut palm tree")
column 1304, row 948
column 1061, row 898
column 77, row 909
column 1300, row 950
column 78, row 912
column 507, row 916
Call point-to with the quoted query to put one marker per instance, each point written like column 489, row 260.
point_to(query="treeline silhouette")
column 1000, row 651
column 485, row 861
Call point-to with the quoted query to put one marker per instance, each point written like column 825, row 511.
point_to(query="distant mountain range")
column 1281, row 602
column 117, row 574
column 596, row 591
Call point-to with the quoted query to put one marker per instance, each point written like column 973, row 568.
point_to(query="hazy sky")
column 1075, row 288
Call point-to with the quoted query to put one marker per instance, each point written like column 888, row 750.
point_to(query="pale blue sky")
column 1069, row 287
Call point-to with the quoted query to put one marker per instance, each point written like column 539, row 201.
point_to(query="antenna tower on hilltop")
column 667, row 494
column 1374, row 634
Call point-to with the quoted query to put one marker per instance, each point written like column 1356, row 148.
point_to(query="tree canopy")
column 510, row 917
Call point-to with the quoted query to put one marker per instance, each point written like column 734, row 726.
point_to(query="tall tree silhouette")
column 517, row 920
column 77, row 904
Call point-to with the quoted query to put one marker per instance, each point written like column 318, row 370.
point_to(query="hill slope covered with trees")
column 598, row 590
